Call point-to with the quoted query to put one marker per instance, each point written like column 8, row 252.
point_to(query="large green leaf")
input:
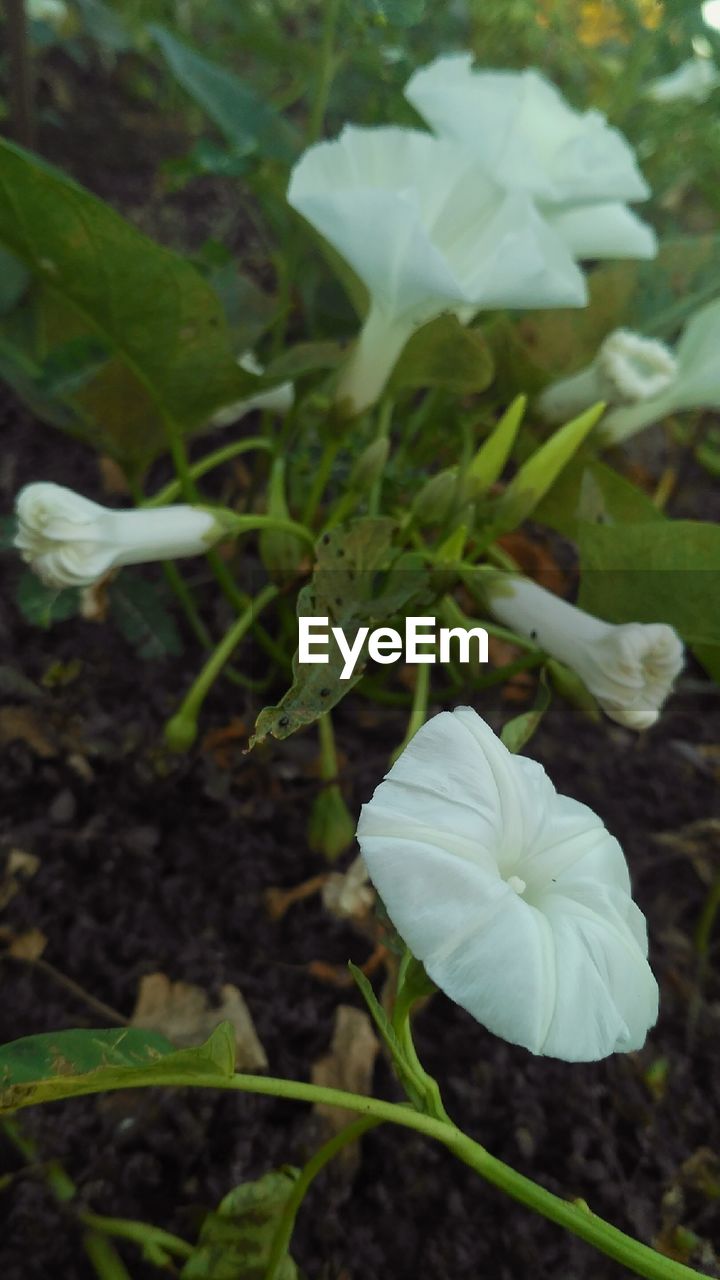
column 666, row 571
column 589, row 492
column 356, row 582
column 98, row 276
column 235, row 1241
column 65, row 1064
column 444, row 353
column 249, row 124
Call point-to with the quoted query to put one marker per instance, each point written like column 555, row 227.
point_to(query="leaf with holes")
column 236, row 1240
column 358, row 581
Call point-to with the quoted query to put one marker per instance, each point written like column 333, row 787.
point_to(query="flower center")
column 517, row 884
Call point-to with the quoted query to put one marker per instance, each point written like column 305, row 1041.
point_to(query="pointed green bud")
column 331, row 828
column 280, row 551
column 370, row 465
column 436, row 499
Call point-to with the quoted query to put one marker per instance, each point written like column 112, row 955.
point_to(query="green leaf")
column 104, row 25
column 589, row 492
column 8, row 528
column 42, row 606
column 349, row 590
column 72, row 365
column 516, row 733
column 535, row 477
column 65, row 1064
column 248, row 123
column 445, row 353
column 14, row 280
column 235, row 1241
column 667, row 571
column 401, row 13
column 99, row 276
column 306, row 357
column 139, row 610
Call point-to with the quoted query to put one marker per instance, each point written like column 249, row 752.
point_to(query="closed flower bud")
column 435, row 500
column 370, row 465
column 280, row 551
column 630, row 669
column 626, row 370
column 70, row 541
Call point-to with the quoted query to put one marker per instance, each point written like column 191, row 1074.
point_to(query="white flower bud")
column 70, row 541
column 629, row 668
column 626, row 370
column 278, row 399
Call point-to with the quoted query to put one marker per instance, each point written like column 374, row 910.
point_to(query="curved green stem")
column 173, row 489
column 573, row 1216
column 385, row 414
column 141, row 1233
column 418, row 710
column 322, row 475
column 326, row 72
column 181, row 729
column 106, row 1263
column 283, row 1232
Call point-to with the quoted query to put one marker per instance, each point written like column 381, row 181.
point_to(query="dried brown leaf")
column 184, row 1014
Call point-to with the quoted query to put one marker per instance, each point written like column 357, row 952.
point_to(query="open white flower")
column 515, row 898
column 693, row 80
column 70, row 541
column 426, row 232
column 696, row 384
column 524, row 135
column 279, row 399
column 627, row 369
column 629, row 668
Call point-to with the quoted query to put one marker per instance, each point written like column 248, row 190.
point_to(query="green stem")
column 418, row 710
column 106, row 1263
column 184, row 595
column 181, row 729
column 141, row 1233
column 322, row 475
column 286, row 1224
column 575, row 1217
column 383, row 429
column 326, row 71
column 171, row 491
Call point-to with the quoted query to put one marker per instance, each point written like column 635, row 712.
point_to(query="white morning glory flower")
column 628, row 368
column 696, row 384
column 70, row 541
column 278, row 399
column 426, row 232
column 515, row 898
column 693, row 80
column 629, row 668
column 525, row 136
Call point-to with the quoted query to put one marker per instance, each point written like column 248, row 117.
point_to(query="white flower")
column 525, row 136
column 694, row 80
column 515, row 898
column 278, row 399
column 629, row 668
column 70, row 541
column 426, row 232
column 627, row 368
column 696, row 384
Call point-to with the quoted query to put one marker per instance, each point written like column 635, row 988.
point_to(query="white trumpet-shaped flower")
column 70, row 541
column 515, row 898
column 695, row 385
column 524, row 135
column 426, row 231
column 279, row 399
column 627, row 369
column 693, row 80
column 630, row 668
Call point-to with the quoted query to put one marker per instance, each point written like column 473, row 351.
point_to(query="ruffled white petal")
column 604, row 230
column 524, row 134
column 516, row 899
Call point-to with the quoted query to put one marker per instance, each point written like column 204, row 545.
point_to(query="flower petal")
column 602, row 231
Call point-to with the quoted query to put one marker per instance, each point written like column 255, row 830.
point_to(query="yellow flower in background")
column 599, row 21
